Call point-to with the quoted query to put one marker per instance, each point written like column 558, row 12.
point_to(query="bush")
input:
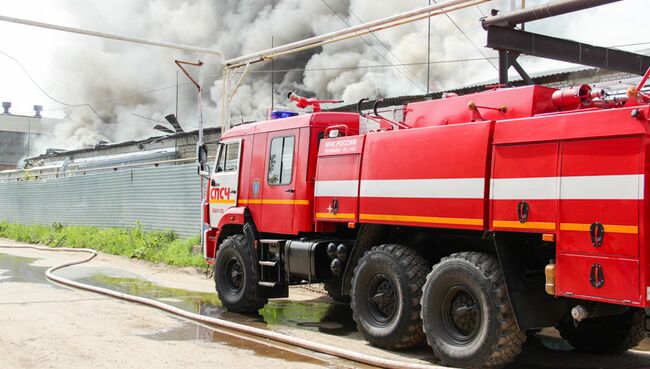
column 156, row 246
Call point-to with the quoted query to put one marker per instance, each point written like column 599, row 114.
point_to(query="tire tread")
column 252, row 302
column 416, row 268
column 511, row 338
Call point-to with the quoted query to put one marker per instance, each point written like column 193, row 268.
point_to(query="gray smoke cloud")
column 105, row 71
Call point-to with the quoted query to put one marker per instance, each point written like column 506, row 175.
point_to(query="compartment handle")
column 596, row 277
column 596, row 232
column 522, row 211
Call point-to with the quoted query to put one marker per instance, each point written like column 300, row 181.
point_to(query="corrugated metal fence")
column 159, row 198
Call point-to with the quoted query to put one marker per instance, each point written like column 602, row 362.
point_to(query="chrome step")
column 267, row 284
column 268, row 263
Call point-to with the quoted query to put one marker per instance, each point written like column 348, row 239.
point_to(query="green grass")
column 155, row 246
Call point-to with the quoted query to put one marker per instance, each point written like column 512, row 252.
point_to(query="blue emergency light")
column 279, row 114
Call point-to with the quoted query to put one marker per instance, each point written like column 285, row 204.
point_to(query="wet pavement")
column 276, row 314
column 19, row 269
column 543, row 350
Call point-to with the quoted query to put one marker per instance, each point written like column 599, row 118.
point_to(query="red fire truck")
column 467, row 223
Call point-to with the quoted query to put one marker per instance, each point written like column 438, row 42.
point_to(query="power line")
column 147, row 118
column 383, row 44
column 368, row 43
column 470, row 40
column 370, row 66
column 52, row 97
column 480, row 10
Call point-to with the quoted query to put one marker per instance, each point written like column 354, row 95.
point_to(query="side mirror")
column 203, row 170
column 202, row 154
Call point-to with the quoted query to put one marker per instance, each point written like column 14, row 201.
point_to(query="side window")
column 280, row 160
column 228, row 160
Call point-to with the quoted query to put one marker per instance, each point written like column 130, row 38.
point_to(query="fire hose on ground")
column 221, row 323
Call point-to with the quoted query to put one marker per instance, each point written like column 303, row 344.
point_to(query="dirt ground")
column 44, row 325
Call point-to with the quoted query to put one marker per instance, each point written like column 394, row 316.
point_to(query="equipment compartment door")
column 278, row 198
column 524, row 190
column 224, row 180
column 336, row 192
column 601, row 190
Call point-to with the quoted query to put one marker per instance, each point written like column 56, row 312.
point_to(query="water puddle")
column 20, row 269
column 550, row 339
column 189, row 332
column 313, row 315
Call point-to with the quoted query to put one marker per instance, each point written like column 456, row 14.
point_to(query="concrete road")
column 44, row 325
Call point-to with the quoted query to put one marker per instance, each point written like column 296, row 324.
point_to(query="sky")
column 132, row 87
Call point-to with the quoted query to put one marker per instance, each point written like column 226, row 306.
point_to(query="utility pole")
column 429, row 54
column 272, row 76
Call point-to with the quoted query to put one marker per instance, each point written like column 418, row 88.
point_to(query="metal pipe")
column 359, row 30
column 169, row 45
column 547, row 10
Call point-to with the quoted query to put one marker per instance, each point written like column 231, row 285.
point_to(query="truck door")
column 279, row 200
column 224, row 181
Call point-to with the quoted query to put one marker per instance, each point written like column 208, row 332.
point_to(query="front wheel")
column 466, row 314
column 234, row 276
column 605, row 335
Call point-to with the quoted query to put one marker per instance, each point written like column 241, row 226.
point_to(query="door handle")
column 291, row 190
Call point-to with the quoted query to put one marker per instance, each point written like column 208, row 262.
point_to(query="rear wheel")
column 607, row 334
column 467, row 318
column 385, row 294
column 234, row 276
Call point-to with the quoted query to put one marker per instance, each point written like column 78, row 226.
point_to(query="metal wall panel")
column 159, row 198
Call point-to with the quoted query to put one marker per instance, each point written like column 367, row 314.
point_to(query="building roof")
column 27, row 124
column 98, row 149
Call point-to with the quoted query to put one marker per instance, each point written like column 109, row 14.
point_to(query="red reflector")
column 548, row 237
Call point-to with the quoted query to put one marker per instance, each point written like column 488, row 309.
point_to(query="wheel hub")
column 464, row 313
column 460, row 315
column 234, row 274
column 383, row 299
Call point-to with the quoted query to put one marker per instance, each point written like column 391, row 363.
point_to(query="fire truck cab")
column 276, row 186
column 471, row 221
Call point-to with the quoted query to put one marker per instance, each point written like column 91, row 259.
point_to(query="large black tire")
column 385, row 294
column 466, row 313
column 334, row 291
column 605, row 335
column 235, row 278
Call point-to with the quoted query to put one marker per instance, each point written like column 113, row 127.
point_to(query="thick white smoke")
column 114, row 74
